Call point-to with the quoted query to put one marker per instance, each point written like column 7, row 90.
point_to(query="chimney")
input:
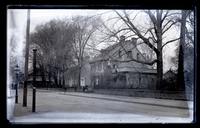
column 134, row 41
column 122, row 39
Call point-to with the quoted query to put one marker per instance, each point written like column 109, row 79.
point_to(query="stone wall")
column 174, row 95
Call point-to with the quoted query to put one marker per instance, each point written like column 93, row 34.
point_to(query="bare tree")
column 85, row 28
column 182, row 46
column 54, row 40
column 184, row 58
column 153, row 36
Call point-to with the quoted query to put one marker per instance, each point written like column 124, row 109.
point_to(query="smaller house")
column 170, row 74
column 71, row 76
column 170, row 80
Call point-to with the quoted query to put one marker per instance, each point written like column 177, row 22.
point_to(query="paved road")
column 83, row 107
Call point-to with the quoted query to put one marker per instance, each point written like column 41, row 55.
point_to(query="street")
column 62, row 106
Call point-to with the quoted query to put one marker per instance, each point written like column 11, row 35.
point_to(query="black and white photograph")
column 100, row 66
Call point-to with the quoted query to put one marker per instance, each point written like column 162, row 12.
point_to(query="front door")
column 82, row 81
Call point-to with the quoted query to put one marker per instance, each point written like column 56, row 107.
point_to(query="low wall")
column 177, row 95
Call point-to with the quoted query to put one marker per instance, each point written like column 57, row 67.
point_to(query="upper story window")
column 99, row 66
column 137, row 56
column 114, row 66
column 129, row 54
column 120, row 54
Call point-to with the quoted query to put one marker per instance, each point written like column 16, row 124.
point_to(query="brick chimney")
column 122, row 39
column 134, row 41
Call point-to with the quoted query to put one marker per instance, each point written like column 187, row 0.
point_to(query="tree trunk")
column 181, row 83
column 60, row 77
column 159, row 54
column 56, row 79
column 63, row 82
column 43, row 78
column 49, row 84
column 79, row 76
column 159, row 71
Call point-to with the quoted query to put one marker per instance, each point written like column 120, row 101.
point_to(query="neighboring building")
column 71, row 76
column 107, row 70
column 41, row 79
column 170, row 80
column 170, row 74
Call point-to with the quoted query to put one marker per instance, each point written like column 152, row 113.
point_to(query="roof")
column 104, row 52
column 136, row 69
column 170, row 71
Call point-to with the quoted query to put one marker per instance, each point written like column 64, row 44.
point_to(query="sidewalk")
column 77, row 118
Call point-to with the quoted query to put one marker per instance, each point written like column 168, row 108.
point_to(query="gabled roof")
column 104, row 52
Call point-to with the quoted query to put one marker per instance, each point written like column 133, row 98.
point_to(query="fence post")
column 25, row 94
column 34, row 99
column 16, row 95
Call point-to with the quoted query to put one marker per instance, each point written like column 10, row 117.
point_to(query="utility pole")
column 26, row 59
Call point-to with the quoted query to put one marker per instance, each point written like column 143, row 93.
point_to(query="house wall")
column 127, row 80
column 71, row 76
column 141, row 80
column 85, row 74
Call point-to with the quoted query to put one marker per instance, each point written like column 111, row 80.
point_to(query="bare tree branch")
column 166, row 14
column 137, row 32
column 170, row 42
column 153, row 37
column 173, row 23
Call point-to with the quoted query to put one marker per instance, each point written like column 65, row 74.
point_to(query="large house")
column 114, row 68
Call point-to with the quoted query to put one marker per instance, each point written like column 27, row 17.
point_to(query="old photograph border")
column 111, row 7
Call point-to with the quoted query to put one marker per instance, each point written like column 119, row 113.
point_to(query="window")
column 137, row 56
column 97, row 81
column 120, row 54
column 102, row 66
column 99, row 66
column 129, row 54
column 114, row 66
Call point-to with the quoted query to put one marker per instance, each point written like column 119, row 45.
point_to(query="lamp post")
column 34, row 80
column 16, row 84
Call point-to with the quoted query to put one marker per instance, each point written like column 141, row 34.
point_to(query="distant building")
column 169, row 74
column 41, row 79
column 170, row 80
column 71, row 76
column 112, row 68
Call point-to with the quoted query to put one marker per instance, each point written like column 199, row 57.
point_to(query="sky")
column 41, row 16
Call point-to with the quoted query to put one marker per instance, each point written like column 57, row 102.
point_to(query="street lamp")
column 16, row 84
